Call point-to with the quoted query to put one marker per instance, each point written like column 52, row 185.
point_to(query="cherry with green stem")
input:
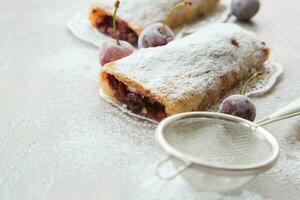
column 117, row 5
column 113, row 50
column 240, row 105
column 254, row 76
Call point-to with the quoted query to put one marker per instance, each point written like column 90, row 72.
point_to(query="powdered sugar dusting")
column 194, row 64
column 134, row 12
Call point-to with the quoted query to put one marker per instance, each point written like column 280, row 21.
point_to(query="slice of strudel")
column 134, row 15
column 188, row 74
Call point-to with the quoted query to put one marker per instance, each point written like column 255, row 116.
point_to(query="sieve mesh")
column 219, row 142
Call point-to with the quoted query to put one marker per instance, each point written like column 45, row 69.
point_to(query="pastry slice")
column 188, row 74
column 135, row 15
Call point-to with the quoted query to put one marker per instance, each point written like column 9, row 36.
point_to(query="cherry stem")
column 183, row 3
column 117, row 4
column 162, row 30
column 180, row 4
column 227, row 18
column 257, row 74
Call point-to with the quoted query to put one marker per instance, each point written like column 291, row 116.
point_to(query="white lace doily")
column 81, row 28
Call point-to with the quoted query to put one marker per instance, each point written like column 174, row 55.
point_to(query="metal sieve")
column 218, row 152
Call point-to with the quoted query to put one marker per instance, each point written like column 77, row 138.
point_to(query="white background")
column 59, row 140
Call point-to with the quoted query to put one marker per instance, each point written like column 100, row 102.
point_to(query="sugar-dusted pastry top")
column 140, row 13
column 192, row 65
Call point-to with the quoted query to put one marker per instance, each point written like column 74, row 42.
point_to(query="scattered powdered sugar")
column 192, row 65
column 170, row 190
column 287, row 169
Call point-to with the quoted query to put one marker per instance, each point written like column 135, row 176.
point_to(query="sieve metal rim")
column 191, row 160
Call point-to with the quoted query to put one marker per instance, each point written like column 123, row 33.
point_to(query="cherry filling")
column 104, row 25
column 135, row 102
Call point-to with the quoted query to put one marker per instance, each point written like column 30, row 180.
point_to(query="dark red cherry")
column 155, row 35
column 240, row 106
column 244, row 10
column 110, row 51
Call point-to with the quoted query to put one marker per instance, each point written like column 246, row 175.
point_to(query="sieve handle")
column 172, row 176
column 288, row 111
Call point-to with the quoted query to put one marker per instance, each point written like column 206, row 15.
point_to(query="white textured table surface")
column 58, row 140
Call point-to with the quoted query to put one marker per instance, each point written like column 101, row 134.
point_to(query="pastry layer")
column 134, row 101
column 135, row 15
column 189, row 74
